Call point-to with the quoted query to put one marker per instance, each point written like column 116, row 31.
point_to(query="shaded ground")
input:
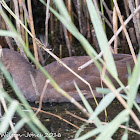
column 64, row 131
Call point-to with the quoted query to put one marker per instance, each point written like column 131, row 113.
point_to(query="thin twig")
column 59, row 117
column 92, row 122
column 109, row 12
column 67, row 40
column 42, row 95
column 79, row 16
column 107, row 21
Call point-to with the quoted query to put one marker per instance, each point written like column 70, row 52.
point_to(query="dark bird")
column 21, row 71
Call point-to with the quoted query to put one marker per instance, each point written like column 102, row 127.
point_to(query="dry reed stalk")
column 18, row 27
column 25, row 11
column 79, row 16
column 95, row 41
column 115, row 28
column 51, row 22
column 67, row 40
column 107, row 21
column 61, row 32
column 137, row 3
column 84, row 19
column 70, row 13
column 17, row 14
column 8, row 40
column 126, row 7
column 46, row 22
column 109, row 12
column 32, row 30
column 88, row 25
column 56, row 25
column 22, row 20
column 125, row 31
column 137, row 29
column 132, row 36
column 7, row 26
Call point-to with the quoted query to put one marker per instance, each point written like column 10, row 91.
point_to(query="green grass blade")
column 104, row 103
column 88, row 107
column 7, row 33
column 112, row 127
column 102, row 39
column 89, row 134
column 85, row 102
column 17, row 127
column 4, row 125
column 134, row 83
